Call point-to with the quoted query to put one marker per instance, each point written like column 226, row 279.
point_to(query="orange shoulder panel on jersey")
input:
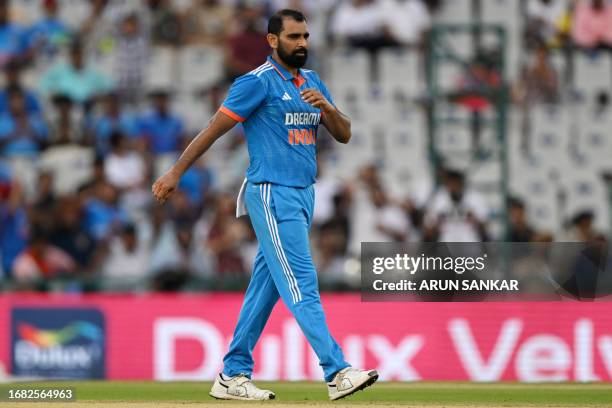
column 231, row 114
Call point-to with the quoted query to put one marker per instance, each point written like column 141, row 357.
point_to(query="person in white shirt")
column 406, row 20
column 124, row 168
column 375, row 217
column 455, row 213
column 126, row 266
column 363, row 24
column 358, row 19
column 390, row 221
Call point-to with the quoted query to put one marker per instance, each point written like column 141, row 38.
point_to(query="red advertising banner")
column 184, row 337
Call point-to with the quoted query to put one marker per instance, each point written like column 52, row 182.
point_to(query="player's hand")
column 165, row 186
column 316, row 99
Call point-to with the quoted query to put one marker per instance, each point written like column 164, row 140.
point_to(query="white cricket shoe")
column 239, row 387
column 349, row 380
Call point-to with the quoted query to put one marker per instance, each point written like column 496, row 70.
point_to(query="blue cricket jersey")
column 280, row 128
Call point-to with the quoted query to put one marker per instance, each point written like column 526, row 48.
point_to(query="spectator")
column 475, row 86
column 126, row 262
column 74, row 78
column 332, row 243
column 156, row 226
column 238, row 155
column 181, row 209
column 95, row 19
column 179, row 254
column 40, row 261
column 165, row 23
column 65, row 126
column 340, row 221
column 363, row 24
column 392, row 224
column 455, row 213
column 532, row 265
column 69, row 235
column 539, row 82
column 197, row 183
column 13, row 221
column 326, row 189
column 592, row 25
column 131, row 57
column 225, row 236
column 43, row 203
column 162, row 129
column 407, row 20
column 370, row 176
column 13, row 38
column 379, row 218
column 112, row 119
column 50, row 33
column 602, row 104
column 330, row 255
column 96, row 31
column 21, row 134
column 246, row 49
column 124, row 168
column 581, row 228
column 547, row 23
column 12, row 72
column 207, row 22
column 520, row 230
column 102, row 213
column 479, row 88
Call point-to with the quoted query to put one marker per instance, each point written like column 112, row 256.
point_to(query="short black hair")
column 116, row 138
column 516, row 202
column 128, row 228
column 76, row 46
column 455, row 175
column 581, row 216
column 275, row 24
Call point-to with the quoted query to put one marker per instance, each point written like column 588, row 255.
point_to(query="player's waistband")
column 299, row 187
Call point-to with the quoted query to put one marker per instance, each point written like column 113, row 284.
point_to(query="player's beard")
column 292, row 59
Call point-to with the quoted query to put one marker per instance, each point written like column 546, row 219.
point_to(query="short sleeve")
column 244, row 97
column 325, row 92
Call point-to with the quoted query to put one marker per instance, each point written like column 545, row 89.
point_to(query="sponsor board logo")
column 510, row 353
column 58, row 343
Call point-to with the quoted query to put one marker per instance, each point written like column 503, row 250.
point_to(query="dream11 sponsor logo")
column 58, row 343
column 536, row 357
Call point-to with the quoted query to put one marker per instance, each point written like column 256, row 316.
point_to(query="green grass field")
column 421, row 394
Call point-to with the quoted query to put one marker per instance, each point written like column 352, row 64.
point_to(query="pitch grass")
column 382, row 393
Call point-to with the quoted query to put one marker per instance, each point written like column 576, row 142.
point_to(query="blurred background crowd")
column 99, row 96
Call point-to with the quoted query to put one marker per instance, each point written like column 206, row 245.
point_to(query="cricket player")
column 280, row 106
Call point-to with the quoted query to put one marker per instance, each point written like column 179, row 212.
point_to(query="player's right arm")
column 220, row 124
column 244, row 97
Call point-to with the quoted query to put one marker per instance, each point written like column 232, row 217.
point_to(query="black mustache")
column 304, row 50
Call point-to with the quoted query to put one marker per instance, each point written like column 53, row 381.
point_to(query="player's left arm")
column 336, row 122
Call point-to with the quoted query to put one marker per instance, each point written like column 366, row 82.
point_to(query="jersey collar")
column 285, row 74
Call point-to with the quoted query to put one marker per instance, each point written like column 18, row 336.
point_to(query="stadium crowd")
column 80, row 146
